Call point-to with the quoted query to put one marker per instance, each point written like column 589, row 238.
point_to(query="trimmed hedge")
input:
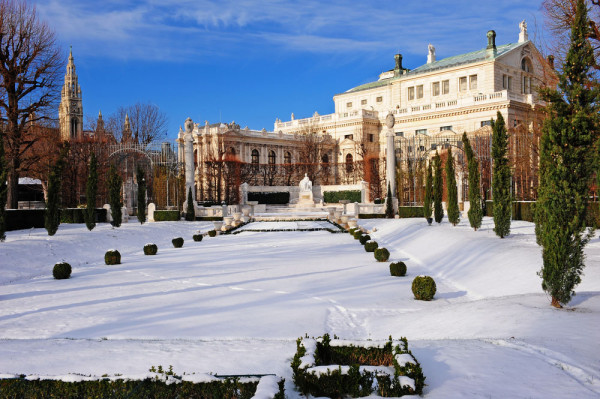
column 398, row 269
column 332, row 197
column 166, row 216
column 371, row 215
column 276, row 198
column 61, row 271
column 112, row 257
column 150, row 249
column 363, row 239
column 371, row 246
column 212, row 233
column 381, row 254
column 423, row 288
column 357, row 234
column 410, row 212
column 18, row 219
column 197, row 237
column 76, row 215
column 177, row 242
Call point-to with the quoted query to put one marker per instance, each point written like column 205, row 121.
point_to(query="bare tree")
column 30, row 66
column 148, row 123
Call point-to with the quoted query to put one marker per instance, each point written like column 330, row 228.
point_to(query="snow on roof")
column 29, row 180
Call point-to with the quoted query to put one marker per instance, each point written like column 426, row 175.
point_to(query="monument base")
column 305, row 200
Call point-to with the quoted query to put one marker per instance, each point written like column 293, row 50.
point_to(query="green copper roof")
column 462, row 59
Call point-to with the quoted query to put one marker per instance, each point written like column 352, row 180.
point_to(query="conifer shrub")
column 197, row 237
column 352, row 230
column 212, row 233
column 177, row 242
column 423, row 288
column 150, row 249
column 382, row 254
column 363, row 239
column 357, row 234
column 398, row 269
column 61, row 271
column 371, row 246
column 112, row 257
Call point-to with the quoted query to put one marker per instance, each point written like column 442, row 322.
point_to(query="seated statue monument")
column 305, row 198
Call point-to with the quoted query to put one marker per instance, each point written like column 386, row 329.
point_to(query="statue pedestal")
column 305, row 200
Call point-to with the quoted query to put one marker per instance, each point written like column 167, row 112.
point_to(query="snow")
column 235, row 304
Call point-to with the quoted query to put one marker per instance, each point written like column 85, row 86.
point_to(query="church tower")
column 70, row 111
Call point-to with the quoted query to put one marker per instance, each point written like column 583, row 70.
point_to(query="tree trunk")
column 12, row 200
column 556, row 303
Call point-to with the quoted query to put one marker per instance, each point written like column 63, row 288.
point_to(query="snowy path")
column 236, row 304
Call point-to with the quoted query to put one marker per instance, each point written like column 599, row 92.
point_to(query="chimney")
column 551, row 61
column 398, row 58
column 491, row 36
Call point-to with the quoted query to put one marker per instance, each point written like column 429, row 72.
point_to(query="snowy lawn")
column 235, row 304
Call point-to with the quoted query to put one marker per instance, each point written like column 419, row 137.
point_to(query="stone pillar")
column 244, row 193
column 364, row 192
column 390, row 156
column 151, row 209
column 108, row 214
column 189, row 158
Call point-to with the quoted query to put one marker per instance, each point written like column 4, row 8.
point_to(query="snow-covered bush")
column 423, row 288
column 197, row 237
column 112, row 257
column 363, row 239
column 398, row 269
column 61, row 271
column 212, row 233
column 357, row 234
column 382, row 254
column 177, row 242
column 150, row 249
column 371, row 246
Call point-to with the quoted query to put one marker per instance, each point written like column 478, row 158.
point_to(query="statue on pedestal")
column 305, row 184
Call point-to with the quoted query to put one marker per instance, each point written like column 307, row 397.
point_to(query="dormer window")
column 526, row 65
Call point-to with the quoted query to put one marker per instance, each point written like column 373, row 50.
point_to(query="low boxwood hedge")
column 177, row 242
column 197, row 237
column 166, row 216
column 423, row 288
column 212, row 233
column 150, row 249
column 61, row 271
column 363, row 239
column 112, row 257
column 410, row 212
column 371, row 246
column 398, row 269
column 277, row 198
column 382, row 254
column 332, row 197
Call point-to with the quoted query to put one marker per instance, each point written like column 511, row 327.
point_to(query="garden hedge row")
column 332, row 197
column 166, row 216
column 76, row 215
column 410, row 212
column 276, row 198
column 18, row 219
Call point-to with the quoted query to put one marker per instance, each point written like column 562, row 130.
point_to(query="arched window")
column 74, row 123
column 232, row 151
column 287, row 158
column 272, row 157
column 526, row 65
column 349, row 163
column 325, row 158
column 255, row 156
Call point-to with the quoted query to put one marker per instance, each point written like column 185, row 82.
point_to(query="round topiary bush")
column 212, row 233
column 352, row 230
column 371, row 246
column 150, row 249
column 423, row 288
column 177, row 242
column 61, row 271
column 382, row 254
column 197, row 237
column 112, row 257
column 363, row 239
column 398, row 269
column 357, row 234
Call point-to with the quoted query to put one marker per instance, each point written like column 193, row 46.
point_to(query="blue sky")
column 253, row 61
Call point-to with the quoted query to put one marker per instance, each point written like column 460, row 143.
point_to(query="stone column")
column 390, row 171
column 244, row 194
column 189, row 158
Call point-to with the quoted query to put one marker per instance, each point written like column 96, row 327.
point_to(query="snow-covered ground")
column 235, row 304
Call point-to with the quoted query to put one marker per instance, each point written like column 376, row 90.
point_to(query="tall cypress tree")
column 3, row 189
column 568, row 144
column 389, row 206
column 190, row 212
column 91, row 191
column 475, row 212
column 114, row 196
column 427, row 206
column 500, row 178
column 438, row 189
column 141, row 194
column 52, row 214
column 453, row 212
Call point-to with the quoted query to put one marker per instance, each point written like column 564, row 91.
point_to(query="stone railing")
column 315, row 120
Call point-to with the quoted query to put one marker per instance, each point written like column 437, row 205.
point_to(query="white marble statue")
column 305, row 184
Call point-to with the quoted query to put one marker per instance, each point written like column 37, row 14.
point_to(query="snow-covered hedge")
column 333, row 368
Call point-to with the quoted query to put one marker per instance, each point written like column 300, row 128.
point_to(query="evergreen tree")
column 141, row 195
column 114, row 196
column 453, row 212
column 52, row 214
column 190, row 213
column 475, row 212
column 427, row 206
column 91, row 190
column 569, row 138
column 389, row 204
column 501, row 178
column 3, row 189
column 438, row 189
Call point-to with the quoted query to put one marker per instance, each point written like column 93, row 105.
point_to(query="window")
column 232, row 151
column 325, row 158
column 349, row 163
column 272, row 157
column 526, row 65
column 445, row 86
column 420, row 91
column 255, row 156
column 420, row 131
column 462, row 83
column 473, row 82
column 411, row 93
column 349, row 137
column 435, row 89
column 486, row 123
column 379, row 99
column 516, row 123
column 371, row 138
column 363, row 102
column 506, row 82
column 287, row 158
column 399, row 134
column 526, row 85
column 349, row 105
column 445, row 128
